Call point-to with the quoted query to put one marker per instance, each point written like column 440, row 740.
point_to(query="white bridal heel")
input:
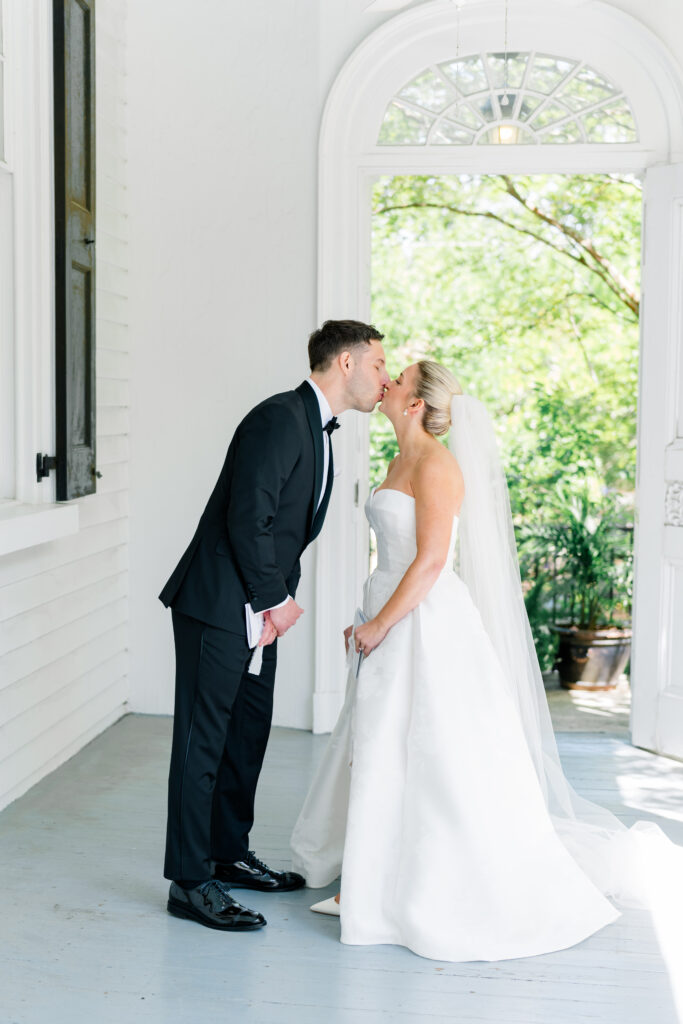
column 329, row 906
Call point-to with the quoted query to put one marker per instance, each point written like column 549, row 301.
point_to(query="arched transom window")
column 518, row 98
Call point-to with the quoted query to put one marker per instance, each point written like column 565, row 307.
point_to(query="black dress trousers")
column 220, row 732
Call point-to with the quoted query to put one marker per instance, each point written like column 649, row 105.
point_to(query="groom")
column 235, row 582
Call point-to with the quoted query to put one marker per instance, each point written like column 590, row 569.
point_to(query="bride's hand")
column 369, row 635
column 347, row 637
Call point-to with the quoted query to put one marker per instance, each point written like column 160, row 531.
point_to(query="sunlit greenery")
column 527, row 288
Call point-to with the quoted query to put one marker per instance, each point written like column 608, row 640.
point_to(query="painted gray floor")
column 86, row 937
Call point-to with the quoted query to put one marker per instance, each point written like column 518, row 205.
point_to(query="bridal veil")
column 623, row 862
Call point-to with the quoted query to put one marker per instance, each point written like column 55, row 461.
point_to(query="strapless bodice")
column 391, row 515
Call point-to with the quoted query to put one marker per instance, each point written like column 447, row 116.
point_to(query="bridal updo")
column 436, row 386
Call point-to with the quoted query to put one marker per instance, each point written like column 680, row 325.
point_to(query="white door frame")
column 614, row 43
column 657, row 661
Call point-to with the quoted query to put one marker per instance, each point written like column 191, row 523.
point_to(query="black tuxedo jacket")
column 260, row 516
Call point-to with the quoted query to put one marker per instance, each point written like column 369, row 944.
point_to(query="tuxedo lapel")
column 316, row 426
column 319, row 516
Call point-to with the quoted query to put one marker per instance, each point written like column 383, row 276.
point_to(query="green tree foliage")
column 527, row 288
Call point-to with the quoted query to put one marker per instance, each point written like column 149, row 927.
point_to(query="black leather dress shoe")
column 211, row 905
column 252, row 873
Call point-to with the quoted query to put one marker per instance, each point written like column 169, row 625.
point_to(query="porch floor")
column 86, row 935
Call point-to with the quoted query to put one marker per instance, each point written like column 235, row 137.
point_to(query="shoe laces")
column 213, row 890
column 253, row 861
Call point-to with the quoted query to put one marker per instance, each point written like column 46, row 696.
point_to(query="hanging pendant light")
column 458, row 4
column 505, row 100
column 505, row 134
column 501, row 134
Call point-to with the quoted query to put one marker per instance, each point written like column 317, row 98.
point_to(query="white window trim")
column 33, row 516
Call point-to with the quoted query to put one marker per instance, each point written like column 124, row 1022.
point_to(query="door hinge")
column 44, row 463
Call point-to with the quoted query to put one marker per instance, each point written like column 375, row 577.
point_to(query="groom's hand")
column 269, row 631
column 284, row 618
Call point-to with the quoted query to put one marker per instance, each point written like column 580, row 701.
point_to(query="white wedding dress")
column 427, row 793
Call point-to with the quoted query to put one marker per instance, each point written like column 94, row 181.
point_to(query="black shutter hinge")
column 44, row 463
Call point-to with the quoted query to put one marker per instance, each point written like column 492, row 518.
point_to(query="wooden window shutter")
column 74, row 137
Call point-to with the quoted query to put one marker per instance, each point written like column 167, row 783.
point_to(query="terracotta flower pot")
column 591, row 659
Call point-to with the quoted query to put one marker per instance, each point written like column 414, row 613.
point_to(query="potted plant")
column 587, row 579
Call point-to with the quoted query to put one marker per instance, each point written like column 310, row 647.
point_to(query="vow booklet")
column 358, row 620
column 255, row 622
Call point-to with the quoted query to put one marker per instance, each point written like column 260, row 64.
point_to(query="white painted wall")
column 64, row 604
column 223, row 218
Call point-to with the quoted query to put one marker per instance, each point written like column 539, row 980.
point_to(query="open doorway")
column 428, row 58
column 528, row 289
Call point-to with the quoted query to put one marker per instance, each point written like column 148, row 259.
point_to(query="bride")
column 440, row 796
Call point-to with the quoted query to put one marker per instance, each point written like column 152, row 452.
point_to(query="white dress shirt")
column 325, row 416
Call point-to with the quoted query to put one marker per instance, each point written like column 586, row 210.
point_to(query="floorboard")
column 85, row 934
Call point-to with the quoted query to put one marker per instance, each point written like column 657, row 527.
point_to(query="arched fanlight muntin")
column 514, row 98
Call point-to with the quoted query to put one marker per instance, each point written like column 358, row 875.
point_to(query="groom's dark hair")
column 337, row 336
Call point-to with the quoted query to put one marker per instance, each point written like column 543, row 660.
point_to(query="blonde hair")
column 436, row 386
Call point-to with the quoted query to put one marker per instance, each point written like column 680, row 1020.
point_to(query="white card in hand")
column 255, row 623
column 359, row 618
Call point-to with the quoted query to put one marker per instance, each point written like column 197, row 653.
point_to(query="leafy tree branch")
column 568, row 241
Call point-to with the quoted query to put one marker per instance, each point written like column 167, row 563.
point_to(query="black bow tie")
column 331, row 425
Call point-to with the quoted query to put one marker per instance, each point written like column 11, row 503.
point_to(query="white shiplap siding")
column 64, row 604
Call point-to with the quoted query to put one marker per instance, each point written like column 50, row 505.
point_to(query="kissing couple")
column 440, row 798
